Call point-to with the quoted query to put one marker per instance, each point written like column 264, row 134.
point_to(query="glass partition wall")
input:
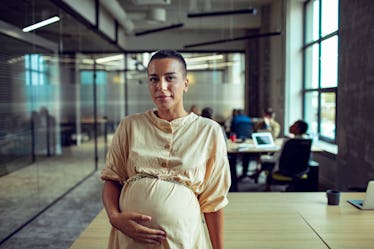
column 43, row 151
column 58, row 112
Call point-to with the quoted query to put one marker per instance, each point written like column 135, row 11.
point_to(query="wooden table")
column 276, row 220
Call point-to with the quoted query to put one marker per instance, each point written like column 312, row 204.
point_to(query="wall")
column 293, row 62
column 277, row 47
column 356, row 94
column 327, row 169
column 271, row 80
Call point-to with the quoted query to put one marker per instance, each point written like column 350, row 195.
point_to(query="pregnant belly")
column 172, row 206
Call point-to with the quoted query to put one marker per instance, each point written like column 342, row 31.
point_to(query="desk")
column 276, row 220
column 232, row 147
column 253, row 153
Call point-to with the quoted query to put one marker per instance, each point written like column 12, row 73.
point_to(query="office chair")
column 293, row 165
column 243, row 130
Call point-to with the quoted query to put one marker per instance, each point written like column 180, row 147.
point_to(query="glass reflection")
column 59, row 111
column 40, row 156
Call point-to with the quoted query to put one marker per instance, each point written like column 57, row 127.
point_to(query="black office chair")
column 293, row 165
column 243, row 130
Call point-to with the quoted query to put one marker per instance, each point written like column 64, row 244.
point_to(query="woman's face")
column 167, row 83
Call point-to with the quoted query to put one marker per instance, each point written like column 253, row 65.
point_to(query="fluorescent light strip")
column 110, row 58
column 87, row 61
column 198, row 67
column 210, row 66
column 41, row 24
column 204, row 58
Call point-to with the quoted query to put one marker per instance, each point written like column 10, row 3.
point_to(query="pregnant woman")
column 167, row 173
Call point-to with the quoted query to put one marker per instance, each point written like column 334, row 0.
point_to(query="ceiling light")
column 198, row 67
column 87, row 61
column 41, row 24
column 204, row 58
column 110, row 58
column 210, row 66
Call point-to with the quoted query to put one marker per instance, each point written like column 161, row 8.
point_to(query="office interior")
column 65, row 86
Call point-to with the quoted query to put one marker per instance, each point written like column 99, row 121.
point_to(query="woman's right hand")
column 132, row 224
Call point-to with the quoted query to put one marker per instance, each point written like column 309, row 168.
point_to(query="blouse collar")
column 162, row 123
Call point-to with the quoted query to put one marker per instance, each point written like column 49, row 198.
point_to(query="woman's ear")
column 186, row 84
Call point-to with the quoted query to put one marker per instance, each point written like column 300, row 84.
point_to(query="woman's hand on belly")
column 133, row 225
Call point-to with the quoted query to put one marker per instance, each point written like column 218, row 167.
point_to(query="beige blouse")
column 173, row 171
column 191, row 150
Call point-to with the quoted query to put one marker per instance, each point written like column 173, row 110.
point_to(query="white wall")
column 293, row 61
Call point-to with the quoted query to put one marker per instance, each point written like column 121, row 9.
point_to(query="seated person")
column 268, row 123
column 207, row 112
column 240, row 118
column 241, row 126
column 268, row 162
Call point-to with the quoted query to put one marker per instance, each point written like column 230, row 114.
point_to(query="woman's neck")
column 171, row 115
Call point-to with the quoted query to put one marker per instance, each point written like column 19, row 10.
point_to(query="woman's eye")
column 152, row 79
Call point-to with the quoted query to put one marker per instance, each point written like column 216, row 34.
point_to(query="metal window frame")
column 320, row 90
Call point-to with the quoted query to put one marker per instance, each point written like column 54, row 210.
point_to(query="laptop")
column 263, row 140
column 368, row 202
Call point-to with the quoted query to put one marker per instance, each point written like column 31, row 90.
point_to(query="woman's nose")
column 162, row 84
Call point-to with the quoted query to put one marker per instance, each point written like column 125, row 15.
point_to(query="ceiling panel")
column 71, row 34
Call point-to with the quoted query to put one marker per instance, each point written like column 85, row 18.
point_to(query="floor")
column 61, row 224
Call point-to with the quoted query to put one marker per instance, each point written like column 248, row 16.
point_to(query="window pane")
column 27, row 78
column 34, row 62
column 311, row 111
column 328, row 101
column 329, row 21
column 312, row 21
column 34, row 78
column 329, row 62
column 311, row 67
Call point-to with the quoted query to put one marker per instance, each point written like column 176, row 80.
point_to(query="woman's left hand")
column 132, row 224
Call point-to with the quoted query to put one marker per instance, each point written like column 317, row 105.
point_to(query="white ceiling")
column 72, row 35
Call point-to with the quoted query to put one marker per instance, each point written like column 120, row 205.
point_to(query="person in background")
column 207, row 112
column 240, row 117
column 298, row 129
column 268, row 123
column 268, row 162
column 194, row 109
column 241, row 126
column 167, row 173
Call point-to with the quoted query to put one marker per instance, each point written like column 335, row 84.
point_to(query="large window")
column 321, row 67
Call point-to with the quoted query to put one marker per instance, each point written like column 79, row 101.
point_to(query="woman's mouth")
column 162, row 97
